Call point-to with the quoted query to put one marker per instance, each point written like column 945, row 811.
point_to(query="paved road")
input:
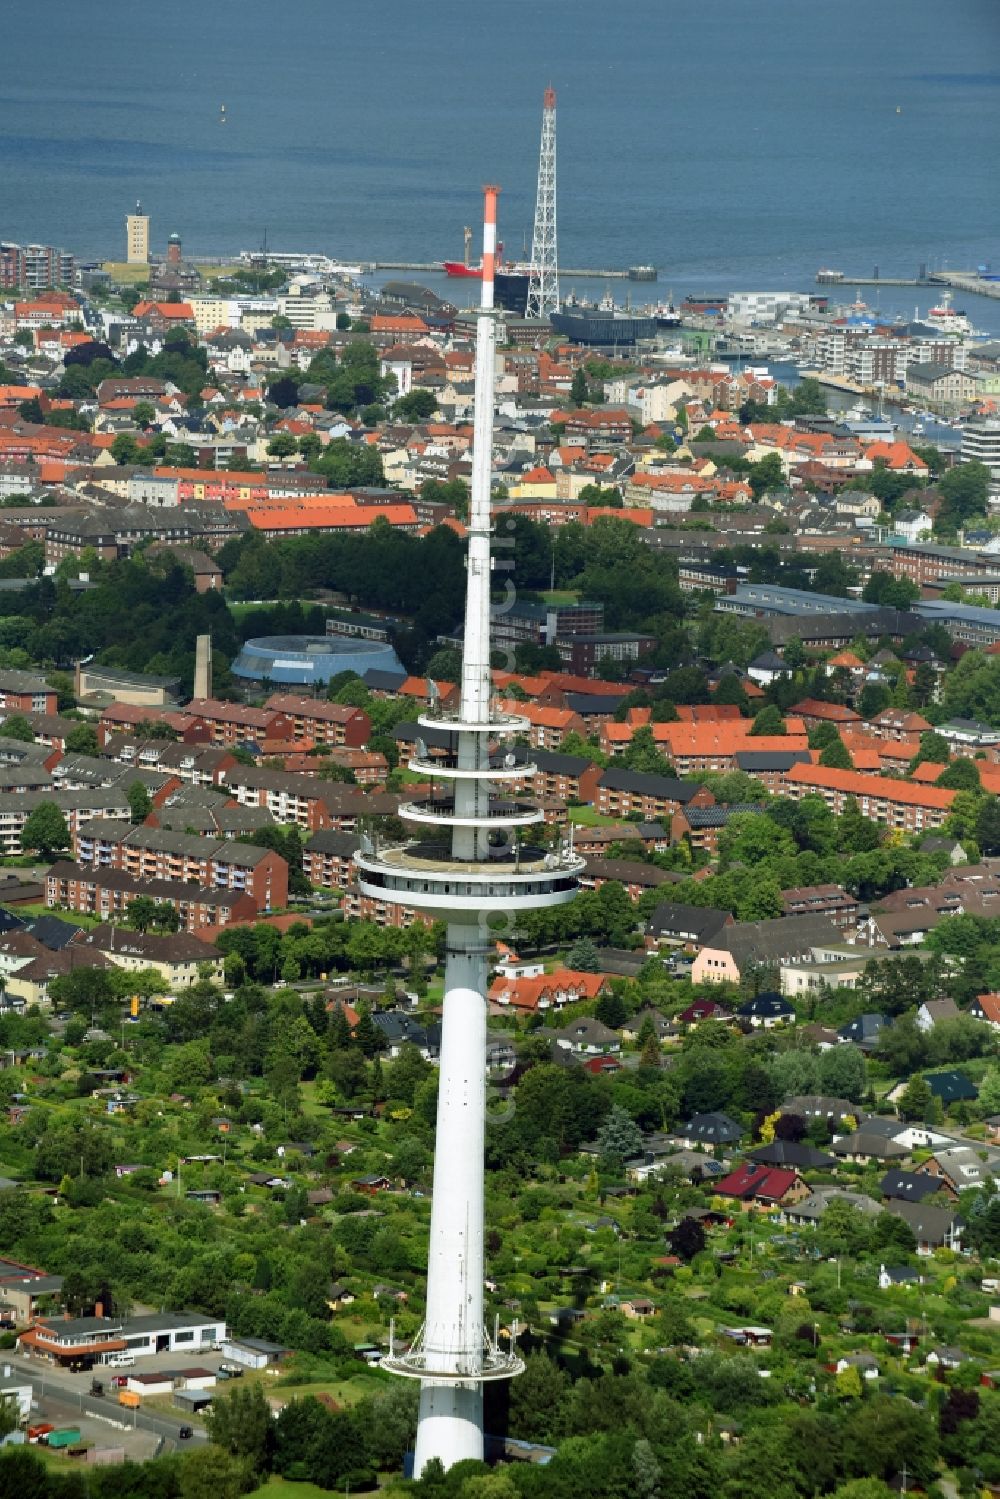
column 104, row 1408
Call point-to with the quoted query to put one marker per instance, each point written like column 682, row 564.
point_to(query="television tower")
column 543, row 291
column 466, row 864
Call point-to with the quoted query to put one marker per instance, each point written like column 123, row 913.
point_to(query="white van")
column 120, row 1360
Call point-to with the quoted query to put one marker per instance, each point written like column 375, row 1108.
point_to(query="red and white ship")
column 460, row 268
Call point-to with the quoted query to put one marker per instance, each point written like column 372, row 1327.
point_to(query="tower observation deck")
column 471, row 859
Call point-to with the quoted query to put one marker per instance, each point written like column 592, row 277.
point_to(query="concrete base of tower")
column 450, row 1426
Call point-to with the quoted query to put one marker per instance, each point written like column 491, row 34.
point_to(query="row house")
column 595, row 428
column 289, row 798
column 563, row 778
column 154, row 853
column 50, row 729
column 692, row 748
column 385, row 913
column 823, row 900
column 629, row 793
column 566, row 986
column 179, row 958
column 368, row 767
column 898, row 804
column 547, row 727
column 235, row 723
column 328, row 859
column 635, row 875
column 311, row 803
column 321, row 722
column 24, row 692
column 77, row 807
column 197, row 765
column 898, row 724
column 926, row 561
column 770, row 766
column 108, row 894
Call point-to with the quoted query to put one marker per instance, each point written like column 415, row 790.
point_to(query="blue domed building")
column 309, row 660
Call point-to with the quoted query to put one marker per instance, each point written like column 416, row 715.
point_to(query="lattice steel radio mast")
column 543, row 293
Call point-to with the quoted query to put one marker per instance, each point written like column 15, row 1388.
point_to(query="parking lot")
column 65, row 1399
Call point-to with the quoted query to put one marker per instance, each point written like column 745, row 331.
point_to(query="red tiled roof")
column 851, row 783
column 769, row 1183
column 990, row 1006
column 811, row 707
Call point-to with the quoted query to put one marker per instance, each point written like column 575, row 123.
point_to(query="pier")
column 431, row 266
column 967, row 281
column 849, row 281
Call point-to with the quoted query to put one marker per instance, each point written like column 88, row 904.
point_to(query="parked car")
column 185, row 1432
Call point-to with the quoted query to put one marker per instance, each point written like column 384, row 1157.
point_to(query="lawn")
column 560, row 595
column 586, row 817
column 239, row 607
column 276, row 1485
column 74, row 918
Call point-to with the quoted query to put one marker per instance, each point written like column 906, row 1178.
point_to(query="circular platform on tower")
column 304, row 659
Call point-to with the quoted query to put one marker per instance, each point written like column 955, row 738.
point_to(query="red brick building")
column 321, row 722
column 154, row 853
column 234, row 723
column 108, row 893
column 898, row 804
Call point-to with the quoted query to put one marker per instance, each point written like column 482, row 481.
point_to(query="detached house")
column 766, row 1186
column 986, row 1007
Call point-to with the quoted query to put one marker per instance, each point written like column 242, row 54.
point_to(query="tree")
column 142, row 913
column 17, row 727
column 579, row 390
column 82, row 740
column 240, row 1422
column 610, row 1010
column 620, row 1137
column 646, row 1470
column 45, row 830
column 282, row 445
column 642, row 754
column 768, row 721
column 126, row 449
column 415, row 406
column 848, row 1383
column 837, row 756
column 915, row 1100
column 213, row 1474
column 960, row 775
column 987, row 832
column 31, row 411
column 687, row 1239
column 140, row 802
column 583, row 957
column 964, row 489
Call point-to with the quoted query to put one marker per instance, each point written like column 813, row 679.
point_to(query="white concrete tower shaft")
column 543, row 290
column 451, row 1415
column 466, row 864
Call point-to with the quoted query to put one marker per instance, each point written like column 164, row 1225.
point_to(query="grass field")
column 560, row 595
column 239, row 607
column 125, row 274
